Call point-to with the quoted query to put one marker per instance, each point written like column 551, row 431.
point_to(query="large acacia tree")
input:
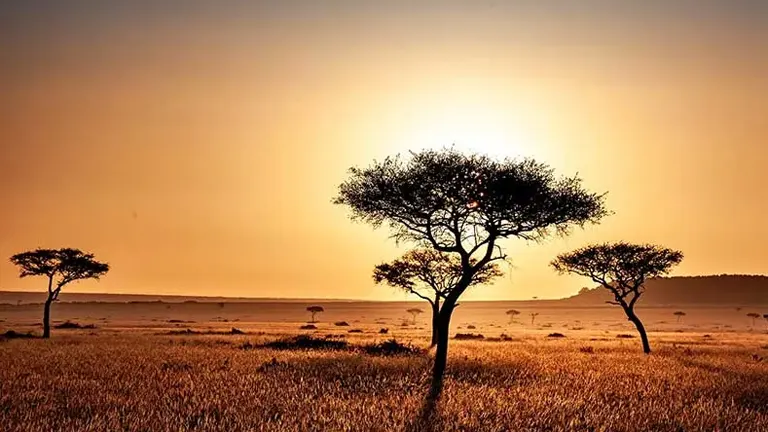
column 622, row 268
column 464, row 204
column 430, row 275
column 60, row 266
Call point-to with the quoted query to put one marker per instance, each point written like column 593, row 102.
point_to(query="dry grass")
column 140, row 381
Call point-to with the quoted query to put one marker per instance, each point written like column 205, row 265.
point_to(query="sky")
column 196, row 146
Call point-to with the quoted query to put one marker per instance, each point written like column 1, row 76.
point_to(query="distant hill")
column 703, row 290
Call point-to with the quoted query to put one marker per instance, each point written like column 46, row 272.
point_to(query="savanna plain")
column 199, row 366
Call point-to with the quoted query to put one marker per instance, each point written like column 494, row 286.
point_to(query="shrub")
column 383, row 331
column 236, row 331
column 471, row 327
column 10, row 334
column 468, row 336
column 587, row 350
column 306, row 342
column 555, row 335
column 355, row 331
column 625, row 336
column 391, row 347
column 73, row 325
column 341, row 324
column 308, row 327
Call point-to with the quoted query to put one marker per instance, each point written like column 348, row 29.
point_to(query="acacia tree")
column 60, row 266
column 512, row 314
column 465, row 204
column 533, row 317
column 414, row 312
column 430, row 275
column 622, row 268
column 679, row 315
column 314, row 310
column 754, row 316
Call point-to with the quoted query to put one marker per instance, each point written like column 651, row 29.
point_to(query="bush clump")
column 625, row 336
column 341, row 324
column 468, row 336
column 391, row 347
column 306, row 342
column 383, row 331
column 355, row 331
column 10, row 334
column 308, row 327
column 555, row 335
column 73, row 325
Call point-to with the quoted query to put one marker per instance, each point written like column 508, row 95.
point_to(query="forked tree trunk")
column 47, row 318
column 640, row 329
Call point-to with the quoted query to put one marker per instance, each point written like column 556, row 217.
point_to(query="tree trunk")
column 441, row 354
column 640, row 329
column 435, row 321
column 47, row 318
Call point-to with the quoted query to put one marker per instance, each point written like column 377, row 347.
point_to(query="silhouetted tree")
column 512, row 313
column 679, row 315
column 414, row 312
column 533, row 317
column 465, row 204
column 60, row 266
column 622, row 268
column 314, row 310
column 431, row 275
column 754, row 316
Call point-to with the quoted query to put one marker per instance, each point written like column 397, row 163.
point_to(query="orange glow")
column 199, row 154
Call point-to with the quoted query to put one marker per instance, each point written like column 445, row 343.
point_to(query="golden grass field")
column 707, row 373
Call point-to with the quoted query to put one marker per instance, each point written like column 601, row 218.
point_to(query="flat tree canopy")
column 462, row 203
column 430, row 274
column 620, row 267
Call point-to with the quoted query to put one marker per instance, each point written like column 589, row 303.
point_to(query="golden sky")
column 196, row 146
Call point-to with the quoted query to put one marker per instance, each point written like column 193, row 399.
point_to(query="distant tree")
column 221, row 305
column 622, row 268
column 465, row 204
column 430, row 275
column 314, row 310
column 754, row 316
column 414, row 312
column 679, row 315
column 60, row 266
column 512, row 313
column 533, row 317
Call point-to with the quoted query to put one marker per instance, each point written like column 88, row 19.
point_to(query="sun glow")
column 478, row 127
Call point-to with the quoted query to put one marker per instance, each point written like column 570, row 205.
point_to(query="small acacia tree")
column 679, row 315
column 622, row 268
column 430, row 275
column 314, row 310
column 512, row 313
column 465, row 204
column 60, row 266
column 754, row 316
column 414, row 312
column 533, row 317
